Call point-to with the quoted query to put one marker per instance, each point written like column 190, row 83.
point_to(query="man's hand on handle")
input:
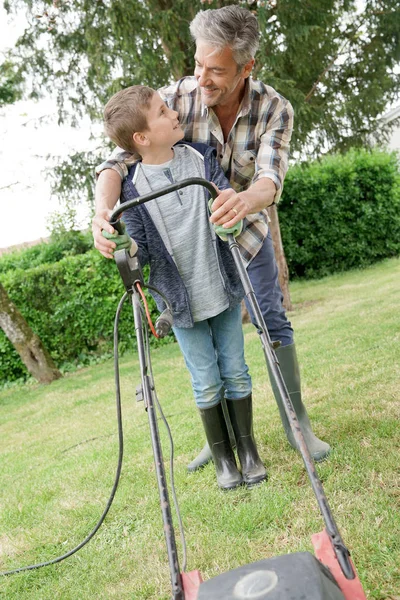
column 231, row 207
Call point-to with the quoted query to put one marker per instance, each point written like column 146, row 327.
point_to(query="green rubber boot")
column 228, row 476
column 205, row 456
column 289, row 366
column 241, row 415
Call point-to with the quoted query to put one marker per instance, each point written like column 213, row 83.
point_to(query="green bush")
column 67, row 243
column 340, row 212
column 71, row 306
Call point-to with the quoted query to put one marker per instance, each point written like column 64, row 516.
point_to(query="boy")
column 192, row 266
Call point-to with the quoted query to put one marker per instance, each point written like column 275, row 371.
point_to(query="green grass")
column 59, row 448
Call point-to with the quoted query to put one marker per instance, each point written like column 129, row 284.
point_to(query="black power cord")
column 120, row 456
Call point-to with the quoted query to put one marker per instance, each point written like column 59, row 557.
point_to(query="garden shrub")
column 340, row 212
column 71, row 306
column 66, row 243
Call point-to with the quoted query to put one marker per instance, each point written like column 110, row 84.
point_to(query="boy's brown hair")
column 126, row 113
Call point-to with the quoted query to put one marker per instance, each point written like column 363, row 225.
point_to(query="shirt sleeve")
column 273, row 153
column 119, row 161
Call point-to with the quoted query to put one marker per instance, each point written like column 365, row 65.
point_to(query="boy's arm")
column 108, row 191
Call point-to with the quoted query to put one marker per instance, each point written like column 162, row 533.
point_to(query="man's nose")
column 203, row 78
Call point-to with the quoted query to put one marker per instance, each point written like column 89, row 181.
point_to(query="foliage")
column 336, row 65
column 11, row 80
column 341, row 212
column 71, row 305
column 71, row 180
column 60, row 244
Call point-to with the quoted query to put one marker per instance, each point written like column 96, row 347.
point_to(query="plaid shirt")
column 257, row 146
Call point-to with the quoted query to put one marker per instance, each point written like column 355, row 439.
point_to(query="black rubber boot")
column 241, row 415
column 205, row 455
column 228, row 476
column 289, row 366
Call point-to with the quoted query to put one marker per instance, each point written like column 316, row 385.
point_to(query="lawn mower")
column 330, row 574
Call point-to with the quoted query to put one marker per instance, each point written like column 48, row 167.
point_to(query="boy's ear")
column 140, row 139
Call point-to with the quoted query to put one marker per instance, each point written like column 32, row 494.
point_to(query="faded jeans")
column 214, row 354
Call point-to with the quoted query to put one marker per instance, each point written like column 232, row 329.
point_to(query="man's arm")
column 271, row 168
column 108, row 191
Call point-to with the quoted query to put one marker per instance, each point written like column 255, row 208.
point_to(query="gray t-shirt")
column 182, row 220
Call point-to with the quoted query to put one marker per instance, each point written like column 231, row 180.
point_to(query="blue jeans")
column 214, row 354
column 263, row 274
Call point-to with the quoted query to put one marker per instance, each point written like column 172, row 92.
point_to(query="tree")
column 335, row 64
column 11, row 80
column 28, row 345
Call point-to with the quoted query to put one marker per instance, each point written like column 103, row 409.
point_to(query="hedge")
column 340, row 212
column 71, row 305
column 66, row 243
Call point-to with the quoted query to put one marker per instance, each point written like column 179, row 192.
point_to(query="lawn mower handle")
column 114, row 220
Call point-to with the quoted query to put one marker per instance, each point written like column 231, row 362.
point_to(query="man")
column 250, row 126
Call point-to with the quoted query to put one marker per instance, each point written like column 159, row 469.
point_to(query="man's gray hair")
column 232, row 26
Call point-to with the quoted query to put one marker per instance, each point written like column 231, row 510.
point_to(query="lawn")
column 59, row 450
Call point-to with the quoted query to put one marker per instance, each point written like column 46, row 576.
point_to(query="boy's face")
column 162, row 122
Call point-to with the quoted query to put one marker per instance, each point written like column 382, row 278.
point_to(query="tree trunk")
column 280, row 256
column 28, row 345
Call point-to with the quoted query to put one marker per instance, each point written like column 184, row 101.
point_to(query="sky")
column 26, row 142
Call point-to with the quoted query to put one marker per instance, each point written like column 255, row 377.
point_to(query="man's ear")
column 140, row 139
column 247, row 69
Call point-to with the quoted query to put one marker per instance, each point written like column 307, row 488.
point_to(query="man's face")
column 217, row 75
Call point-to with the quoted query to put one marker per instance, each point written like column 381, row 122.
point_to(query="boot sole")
column 192, row 469
column 232, row 487
column 256, row 482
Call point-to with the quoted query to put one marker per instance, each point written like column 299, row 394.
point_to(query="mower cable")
column 146, row 306
column 120, row 456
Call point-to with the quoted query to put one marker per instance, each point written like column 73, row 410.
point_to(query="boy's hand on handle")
column 121, row 241
column 100, row 224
